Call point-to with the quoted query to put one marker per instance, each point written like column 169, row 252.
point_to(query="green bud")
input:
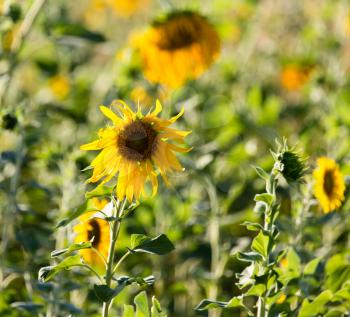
column 289, row 163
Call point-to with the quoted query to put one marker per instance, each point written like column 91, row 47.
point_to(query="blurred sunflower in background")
column 133, row 146
column 294, row 77
column 329, row 184
column 121, row 8
column 177, row 48
column 60, row 85
column 96, row 229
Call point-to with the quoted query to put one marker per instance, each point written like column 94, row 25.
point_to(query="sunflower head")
column 329, row 185
column 135, row 148
column 177, row 48
column 95, row 230
column 289, row 163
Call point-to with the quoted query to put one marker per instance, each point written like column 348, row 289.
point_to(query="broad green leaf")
column 256, row 290
column 293, row 261
column 343, row 294
column 317, row 306
column 72, row 248
column 337, row 272
column 261, row 244
column 237, row 302
column 141, row 303
column 310, row 267
column 105, row 293
column 48, row 272
column 265, row 198
column 128, row 311
column 159, row 245
column 138, row 239
column 100, row 191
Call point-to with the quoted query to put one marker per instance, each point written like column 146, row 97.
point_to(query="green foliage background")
column 236, row 110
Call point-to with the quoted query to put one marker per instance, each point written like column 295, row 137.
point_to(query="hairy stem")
column 115, row 228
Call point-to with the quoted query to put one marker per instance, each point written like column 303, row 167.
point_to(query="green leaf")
column 138, row 239
column 72, row 248
column 208, row 304
column 256, row 290
column 105, row 293
column 337, row 272
column 28, row 306
column 156, row 310
column 141, row 303
column 265, row 198
column 48, row 272
column 261, row 244
column 252, row 226
column 159, row 245
column 77, row 30
column 262, row 173
column 100, row 191
column 311, row 266
column 249, row 256
column 317, row 306
column 128, row 311
column 293, row 261
column 76, row 213
column 235, row 302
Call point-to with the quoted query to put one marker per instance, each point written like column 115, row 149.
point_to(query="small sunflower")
column 133, row 147
column 293, row 77
column 95, row 228
column 126, row 8
column 178, row 48
column 329, row 184
column 60, row 86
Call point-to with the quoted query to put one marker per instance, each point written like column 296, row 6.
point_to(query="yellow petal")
column 111, row 115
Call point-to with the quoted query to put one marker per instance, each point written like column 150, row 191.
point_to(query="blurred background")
column 282, row 70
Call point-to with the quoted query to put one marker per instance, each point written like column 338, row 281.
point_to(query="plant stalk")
column 115, row 228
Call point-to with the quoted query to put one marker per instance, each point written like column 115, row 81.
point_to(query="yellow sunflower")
column 294, row 77
column 179, row 48
column 95, row 228
column 329, row 184
column 126, row 8
column 134, row 148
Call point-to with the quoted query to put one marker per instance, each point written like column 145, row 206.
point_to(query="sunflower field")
column 173, row 158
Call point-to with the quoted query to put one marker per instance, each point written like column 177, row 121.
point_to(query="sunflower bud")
column 289, row 163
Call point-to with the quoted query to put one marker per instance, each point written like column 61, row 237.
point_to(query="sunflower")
column 134, row 148
column 126, row 8
column 178, row 48
column 96, row 229
column 293, row 77
column 329, row 184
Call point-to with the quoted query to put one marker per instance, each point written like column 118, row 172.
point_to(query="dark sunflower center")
column 328, row 183
column 94, row 232
column 179, row 35
column 137, row 141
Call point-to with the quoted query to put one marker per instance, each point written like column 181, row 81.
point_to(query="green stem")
column 115, row 228
column 261, row 307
